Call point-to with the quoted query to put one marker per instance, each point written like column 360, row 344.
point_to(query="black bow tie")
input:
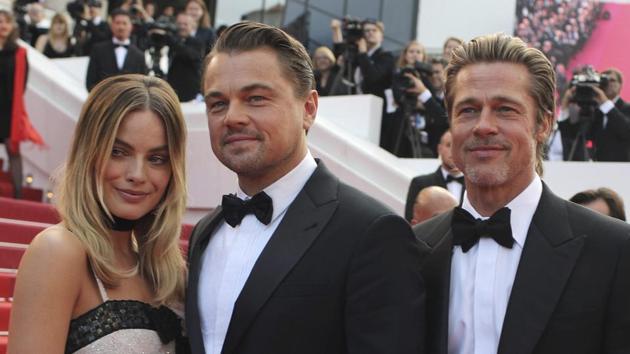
column 118, row 45
column 467, row 230
column 235, row 209
column 459, row 179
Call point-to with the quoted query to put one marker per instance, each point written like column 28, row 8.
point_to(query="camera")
column 401, row 83
column 161, row 34
column 352, row 29
column 157, row 39
column 584, row 80
column 75, row 9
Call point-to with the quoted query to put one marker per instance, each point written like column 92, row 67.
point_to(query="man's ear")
column 544, row 128
column 310, row 109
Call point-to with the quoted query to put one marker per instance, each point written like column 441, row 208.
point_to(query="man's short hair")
column 248, row 36
column 439, row 60
column 610, row 197
column 370, row 21
column 120, row 12
column 501, row 48
column 616, row 72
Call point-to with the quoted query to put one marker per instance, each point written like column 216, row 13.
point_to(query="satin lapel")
column 439, row 178
column 110, row 56
column 436, row 272
column 441, row 301
column 198, row 243
column 126, row 63
column 301, row 225
column 549, row 255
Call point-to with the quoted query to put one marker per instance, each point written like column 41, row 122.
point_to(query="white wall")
column 438, row 20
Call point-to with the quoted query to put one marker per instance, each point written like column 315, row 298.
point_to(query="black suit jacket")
column 207, row 37
column 103, row 63
column 613, row 142
column 394, row 127
column 571, row 293
column 184, row 74
column 341, row 274
column 377, row 71
column 419, row 183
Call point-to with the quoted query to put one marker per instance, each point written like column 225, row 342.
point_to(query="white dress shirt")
column 605, row 108
column 121, row 52
column 454, row 187
column 232, row 252
column 482, row 279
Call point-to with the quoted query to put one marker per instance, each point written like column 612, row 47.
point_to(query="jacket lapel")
column 439, row 178
column 111, row 57
column 304, row 220
column 198, row 242
column 436, row 271
column 549, row 255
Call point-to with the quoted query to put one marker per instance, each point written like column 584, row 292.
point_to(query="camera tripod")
column 406, row 128
column 343, row 83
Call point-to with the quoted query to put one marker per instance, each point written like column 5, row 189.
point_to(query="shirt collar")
column 371, row 51
column 284, row 190
column 446, row 174
column 125, row 42
column 522, row 209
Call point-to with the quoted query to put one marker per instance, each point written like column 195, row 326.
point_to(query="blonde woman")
column 414, row 51
column 420, row 118
column 202, row 30
column 326, row 70
column 106, row 278
column 58, row 43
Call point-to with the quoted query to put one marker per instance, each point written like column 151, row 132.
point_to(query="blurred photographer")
column 420, row 119
column 116, row 56
column 594, row 120
column 89, row 26
column 366, row 67
column 186, row 53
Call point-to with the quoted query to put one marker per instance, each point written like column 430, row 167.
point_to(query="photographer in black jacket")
column 594, row 120
column 420, row 120
column 90, row 27
column 186, row 52
column 373, row 66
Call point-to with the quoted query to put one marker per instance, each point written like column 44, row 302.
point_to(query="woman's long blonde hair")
column 81, row 202
column 204, row 21
column 402, row 59
column 63, row 19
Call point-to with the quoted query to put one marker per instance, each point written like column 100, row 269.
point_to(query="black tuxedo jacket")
column 207, row 37
column 613, row 142
column 184, row 73
column 377, row 71
column 341, row 274
column 571, row 293
column 103, row 63
column 419, row 183
column 395, row 125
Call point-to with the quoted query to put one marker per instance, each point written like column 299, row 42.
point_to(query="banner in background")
column 577, row 33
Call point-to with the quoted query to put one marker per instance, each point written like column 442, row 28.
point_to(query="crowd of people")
column 410, row 84
column 296, row 261
column 129, row 29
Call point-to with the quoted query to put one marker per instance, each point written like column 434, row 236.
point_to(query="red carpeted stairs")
column 6, row 187
column 20, row 222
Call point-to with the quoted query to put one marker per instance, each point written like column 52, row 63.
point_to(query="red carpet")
column 609, row 45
